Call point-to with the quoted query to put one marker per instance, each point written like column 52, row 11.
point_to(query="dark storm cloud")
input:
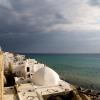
column 9, row 22
column 28, row 16
column 24, row 25
column 28, row 43
column 75, row 41
column 48, row 25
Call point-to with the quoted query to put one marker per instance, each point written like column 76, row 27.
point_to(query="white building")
column 31, row 66
column 34, row 80
column 19, row 57
column 17, row 68
column 20, row 66
column 8, row 59
column 45, row 84
column 26, row 68
column 45, row 76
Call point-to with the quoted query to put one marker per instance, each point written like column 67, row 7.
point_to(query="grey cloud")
column 9, row 22
column 94, row 2
column 70, row 42
column 28, row 16
column 23, row 26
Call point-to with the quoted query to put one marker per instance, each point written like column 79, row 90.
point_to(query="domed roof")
column 46, row 76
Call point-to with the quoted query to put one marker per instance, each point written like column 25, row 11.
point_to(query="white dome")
column 46, row 76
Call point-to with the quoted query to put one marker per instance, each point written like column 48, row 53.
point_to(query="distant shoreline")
column 51, row 53
column 63, row 53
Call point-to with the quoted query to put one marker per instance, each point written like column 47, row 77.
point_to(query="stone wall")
column 1, row 75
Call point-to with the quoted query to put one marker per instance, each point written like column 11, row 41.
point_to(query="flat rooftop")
column 9, row 93
column 30, row 91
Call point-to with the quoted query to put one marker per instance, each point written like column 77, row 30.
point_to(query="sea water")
column 78, row 69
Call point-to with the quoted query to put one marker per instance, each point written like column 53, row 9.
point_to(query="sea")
column 78, row 69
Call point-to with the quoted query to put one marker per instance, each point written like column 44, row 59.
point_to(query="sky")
column 50, row 26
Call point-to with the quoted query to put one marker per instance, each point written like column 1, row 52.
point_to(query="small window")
column 28, row 76
column 28, row 69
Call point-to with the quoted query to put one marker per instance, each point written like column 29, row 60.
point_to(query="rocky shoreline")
column 88, row 94
column 82, row 93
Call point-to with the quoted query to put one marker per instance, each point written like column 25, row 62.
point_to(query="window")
column 28, row 76
column 28, row 69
